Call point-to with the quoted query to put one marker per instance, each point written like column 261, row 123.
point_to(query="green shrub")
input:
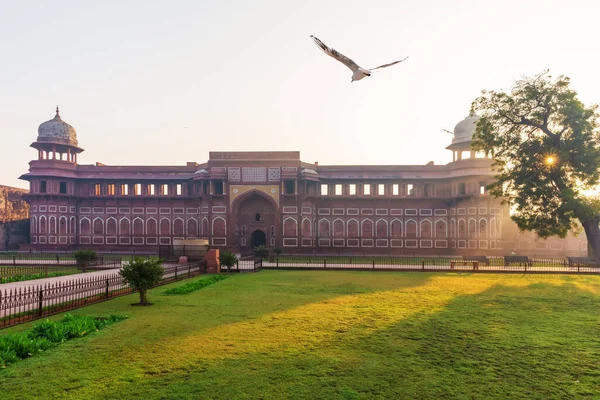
column 261, row 251
column 46, row 334
column 141, row 275
column 193, row 286
column 227, row 259
column 85, row 258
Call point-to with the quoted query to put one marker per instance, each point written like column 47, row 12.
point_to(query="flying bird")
column 357, row 72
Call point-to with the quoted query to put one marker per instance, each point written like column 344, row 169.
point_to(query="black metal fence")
column 518, row 264
column 28, row 271
column 25, row 304
column 248, row 263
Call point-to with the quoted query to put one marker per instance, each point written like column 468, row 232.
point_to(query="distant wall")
column 13, row 206
column 13, row 234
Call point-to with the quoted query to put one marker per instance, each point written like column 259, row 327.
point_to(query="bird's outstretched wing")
column 336, row 54
column 388, row 65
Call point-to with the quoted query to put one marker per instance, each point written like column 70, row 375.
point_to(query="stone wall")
column 13, row 205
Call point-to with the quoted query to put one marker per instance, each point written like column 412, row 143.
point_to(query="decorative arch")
column 493, row 228
column 52, row 225
column 426, row 229
column 462, row 228
column 63, row 225
column 338, row 227
column 411, row 228
column 205, row 231
column 472, row 228
column 125, row 226
column 178, row 227
column 111, row 226
column 381, row 228
column 239, row 200
column 85, row 226
column 352, row 228
column 396, row 228
column 138, row 226
column 219, row 227
column 306, row 228
column 441, row 229
column 98, row 226
column 366, row 227
column 324, row 228
column 290, row 227
column 72, row 225
column 152, row 227
column 483, row 228
column 192, row 227
column 164, row 227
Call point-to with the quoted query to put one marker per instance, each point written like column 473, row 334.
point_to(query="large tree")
column 546, row 146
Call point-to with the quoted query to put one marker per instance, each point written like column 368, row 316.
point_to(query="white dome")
column 464, row 130
column 57, row 131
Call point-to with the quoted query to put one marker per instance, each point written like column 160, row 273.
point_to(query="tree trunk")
column 592, row 233
column 143, row 297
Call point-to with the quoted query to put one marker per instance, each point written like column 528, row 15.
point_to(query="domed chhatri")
column 57, row 131
column 464, row 130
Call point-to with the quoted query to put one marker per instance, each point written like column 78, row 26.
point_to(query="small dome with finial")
column 464, row 130
column 57, row 131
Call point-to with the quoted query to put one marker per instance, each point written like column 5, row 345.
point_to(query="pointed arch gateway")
column 257, row 211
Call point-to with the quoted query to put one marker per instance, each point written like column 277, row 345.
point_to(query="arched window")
column 367, row 228
column 151, row 227
column 178, row 228
column 192, row 228
column 396, row 228
column 98, row 227
column 411, row 229
column 426, row 229
column 306, row 231
column 85, row 226
column 111, row 226
column 324, row 228
column 124, row 227
column 353, row 231
column 165, row 227
column 382, row 228
column 338, row 228
column 257, row 217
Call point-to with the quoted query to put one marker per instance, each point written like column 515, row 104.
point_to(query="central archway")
column 258, row 238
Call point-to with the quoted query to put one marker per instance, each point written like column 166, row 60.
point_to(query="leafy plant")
column 141, row 275
column 85, row 258
column 261, row 251
column 227, row 259
column 193, row 286
column 46, row 334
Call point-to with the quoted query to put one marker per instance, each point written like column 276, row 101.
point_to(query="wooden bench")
column 583, row 262
column 480, row 259
column 517, row 259
column 474, row 263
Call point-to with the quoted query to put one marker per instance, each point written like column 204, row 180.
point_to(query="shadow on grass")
column 536, row 342
column 343, row 335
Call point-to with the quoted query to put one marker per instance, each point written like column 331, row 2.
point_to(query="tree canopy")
column 546, row 148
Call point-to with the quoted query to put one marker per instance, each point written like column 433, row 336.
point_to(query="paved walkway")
column 45, row 281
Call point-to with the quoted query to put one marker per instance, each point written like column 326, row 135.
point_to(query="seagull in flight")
column 357, row 72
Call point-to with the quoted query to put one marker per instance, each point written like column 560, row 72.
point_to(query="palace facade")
column 239, row 200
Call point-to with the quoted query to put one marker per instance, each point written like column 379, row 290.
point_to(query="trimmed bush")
column 197, row 285
column 141, row 275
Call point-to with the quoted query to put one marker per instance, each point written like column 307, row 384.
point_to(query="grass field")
column 335, row 335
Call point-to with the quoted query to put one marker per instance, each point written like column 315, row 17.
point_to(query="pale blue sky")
column 165, row 82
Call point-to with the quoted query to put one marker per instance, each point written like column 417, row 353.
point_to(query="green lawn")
column 335, row 335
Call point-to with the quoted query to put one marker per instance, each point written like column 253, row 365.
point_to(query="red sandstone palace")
column 238, row 200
